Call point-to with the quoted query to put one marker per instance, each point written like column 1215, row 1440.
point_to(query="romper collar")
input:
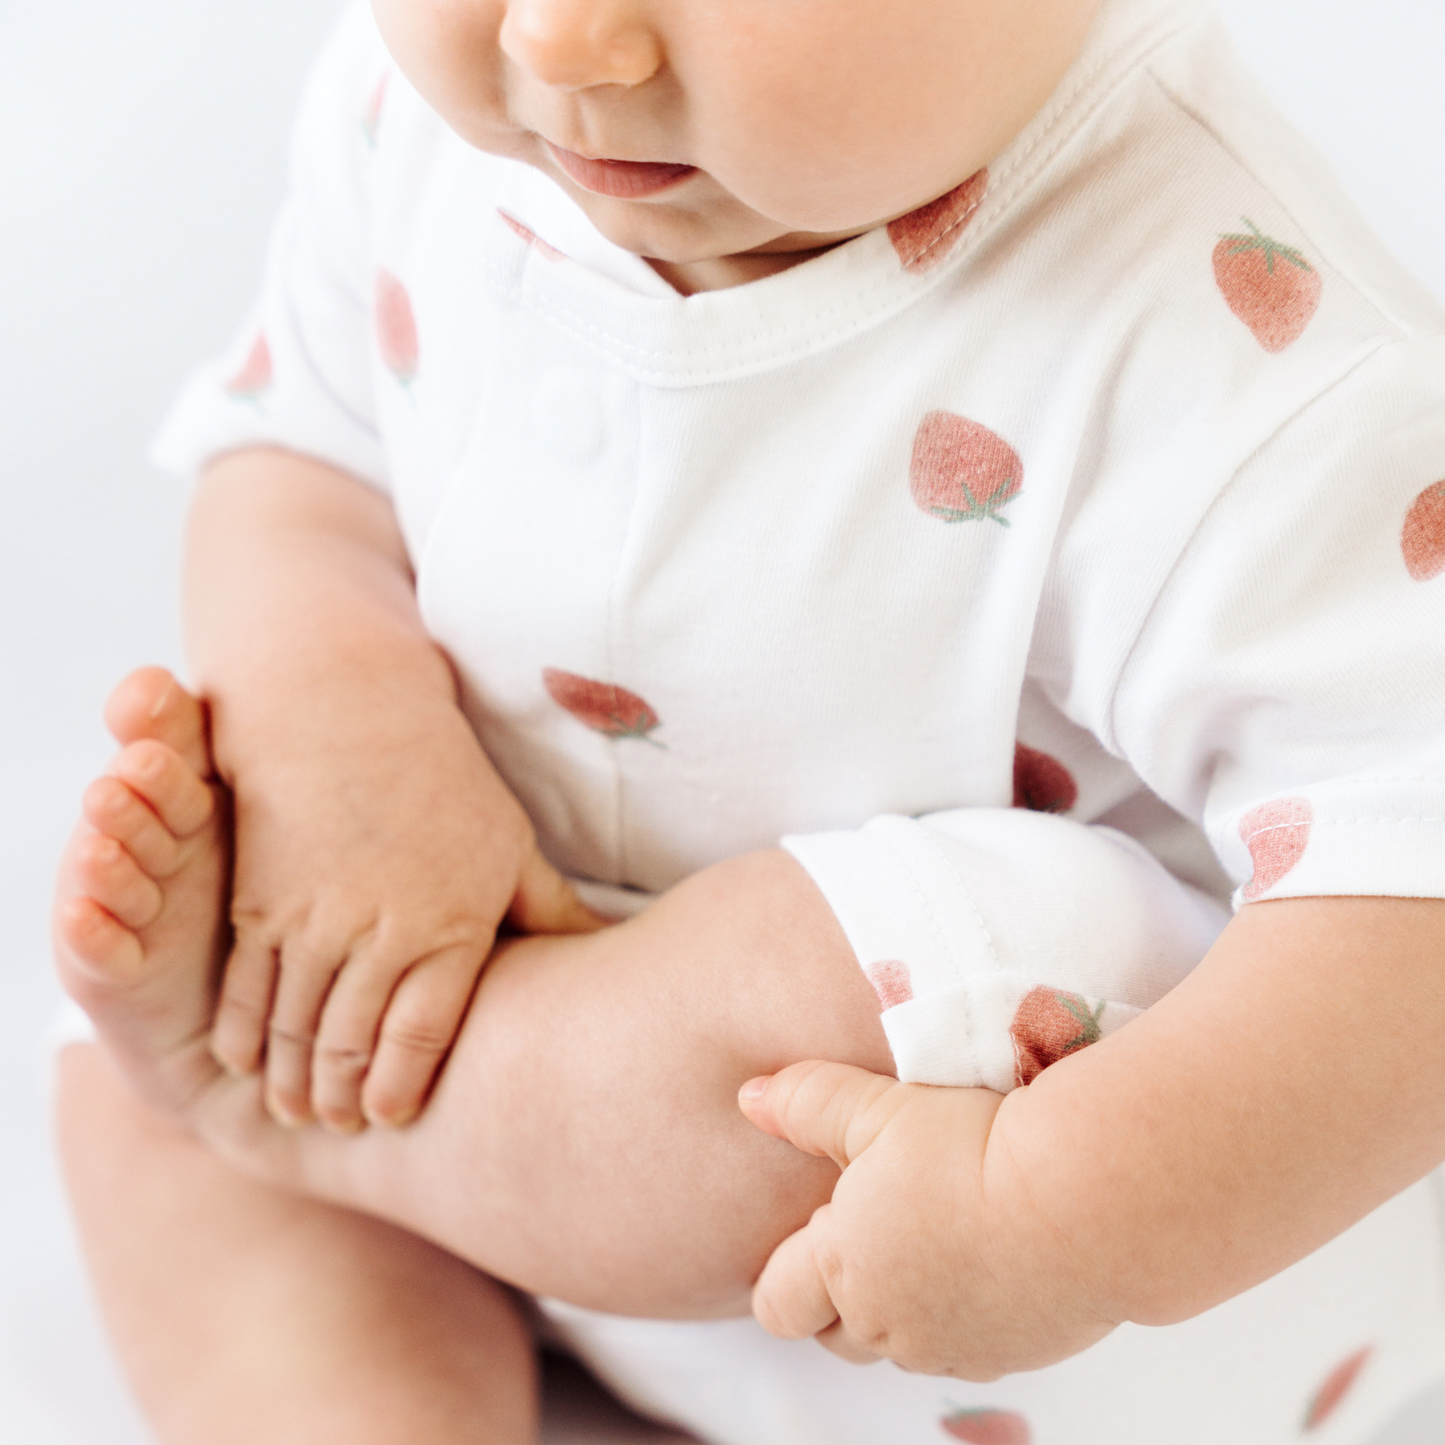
column 544, row 256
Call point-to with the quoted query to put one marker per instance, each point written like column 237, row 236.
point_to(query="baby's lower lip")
column 625, row 179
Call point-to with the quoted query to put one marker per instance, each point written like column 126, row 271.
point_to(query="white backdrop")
column 142, row 147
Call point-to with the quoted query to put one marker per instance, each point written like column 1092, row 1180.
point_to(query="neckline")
column 545, row 256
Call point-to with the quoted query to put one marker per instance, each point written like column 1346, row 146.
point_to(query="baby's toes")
column 92, row 945
column 102, row 870
column 150, row 703
column 112, row 808
column 167, row 784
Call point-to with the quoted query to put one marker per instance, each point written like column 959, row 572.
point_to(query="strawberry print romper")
column 1044, row 569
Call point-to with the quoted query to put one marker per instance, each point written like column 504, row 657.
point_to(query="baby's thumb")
column 545, row 902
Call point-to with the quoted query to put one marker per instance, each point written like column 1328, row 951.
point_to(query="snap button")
column 568, row 417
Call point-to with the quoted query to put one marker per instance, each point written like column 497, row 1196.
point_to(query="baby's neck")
column 687, row 278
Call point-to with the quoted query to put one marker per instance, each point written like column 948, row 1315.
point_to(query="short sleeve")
column 298, row 374
column 1287, row 689
column 998, row 940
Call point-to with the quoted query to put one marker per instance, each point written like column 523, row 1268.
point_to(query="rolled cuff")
column 999, row 940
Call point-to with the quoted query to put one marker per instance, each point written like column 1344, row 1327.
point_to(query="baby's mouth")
column 627, row 180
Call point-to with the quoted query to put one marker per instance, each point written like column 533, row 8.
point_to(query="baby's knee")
column 597, row 1084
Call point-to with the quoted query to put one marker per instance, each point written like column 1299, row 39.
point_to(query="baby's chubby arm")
column 1287, row 1087
column 377, row 850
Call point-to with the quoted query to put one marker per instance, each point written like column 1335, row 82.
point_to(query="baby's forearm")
column 299, row 605
column 1292, row 1083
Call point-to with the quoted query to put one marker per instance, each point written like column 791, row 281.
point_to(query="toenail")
column 162, row 702
column 151, row 764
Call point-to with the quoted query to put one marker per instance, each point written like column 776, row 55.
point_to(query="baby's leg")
column 243, row 1313
column 240, row 1311
column 584, row 1140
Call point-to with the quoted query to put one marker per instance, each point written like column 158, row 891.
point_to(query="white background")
column 142, row 151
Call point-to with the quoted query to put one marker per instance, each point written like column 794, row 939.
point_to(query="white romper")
column 1041, row 568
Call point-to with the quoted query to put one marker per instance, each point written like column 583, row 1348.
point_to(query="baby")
column 817, row 421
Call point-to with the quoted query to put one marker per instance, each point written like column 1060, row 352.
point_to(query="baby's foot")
column 140, row 923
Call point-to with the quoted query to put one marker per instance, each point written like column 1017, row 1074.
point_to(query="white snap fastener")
column 568, row 417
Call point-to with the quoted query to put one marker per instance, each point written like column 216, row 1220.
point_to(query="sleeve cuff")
column 998, row 940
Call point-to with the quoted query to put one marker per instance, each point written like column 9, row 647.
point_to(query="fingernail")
column 281, row 1114
column 397, row 1120
column 754, row 1089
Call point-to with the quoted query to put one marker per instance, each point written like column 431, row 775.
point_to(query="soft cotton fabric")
column 1043, row 568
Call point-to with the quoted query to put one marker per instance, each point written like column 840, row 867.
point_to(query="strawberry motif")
column 1041, row 783
column 890, row 981
column 1048, row 1024
column 396, row 328
column 610, row 710
column 255, row 374
column 371, row 116
column 550, row 253
column 987, row 1427
column 961, row 471
column 1276, row 834
column 1423, row 539
column 1336, row 1386
column 1268, row 285
column 924, row 237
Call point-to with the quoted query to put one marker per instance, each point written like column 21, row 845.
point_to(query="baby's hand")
column 910, row 1261
column 371, row 877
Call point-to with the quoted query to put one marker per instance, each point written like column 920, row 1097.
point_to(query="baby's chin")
column 683, row 232
column 695, row 251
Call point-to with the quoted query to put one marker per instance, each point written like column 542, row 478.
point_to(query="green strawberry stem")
column 1258, row 241
column 977, row 511
column 1089, row 1031
column 621, row 728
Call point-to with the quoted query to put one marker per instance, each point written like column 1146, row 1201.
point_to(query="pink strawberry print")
column 961, row 471
column 1268, row 285
column 891, row 982
column 924, row 237
column 1336, row 1386
column 396, row 328
column 371, row 116
column 549, row 253
column 1041, row 783
column 1423, row 538
column 255, row 375
column 1276, row 834
column 1047, row 1025
column 987, row 1427
column 603, row 706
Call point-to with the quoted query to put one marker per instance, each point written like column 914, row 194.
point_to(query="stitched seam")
column 933, row 922
column 1109, row 726
column 1381, row 778
column 936, row 848
column 923, row 900
column 903, row 289
column 1405, row 819
column 943, row 235
column 1184, row 108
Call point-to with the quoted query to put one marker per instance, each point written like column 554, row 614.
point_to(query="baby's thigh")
column 585, row 1141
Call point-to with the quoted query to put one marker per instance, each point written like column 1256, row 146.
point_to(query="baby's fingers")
column 420, row 1022
column 791, row 1298
column 545, row 902
column 238, row 1036
column 308, row 969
